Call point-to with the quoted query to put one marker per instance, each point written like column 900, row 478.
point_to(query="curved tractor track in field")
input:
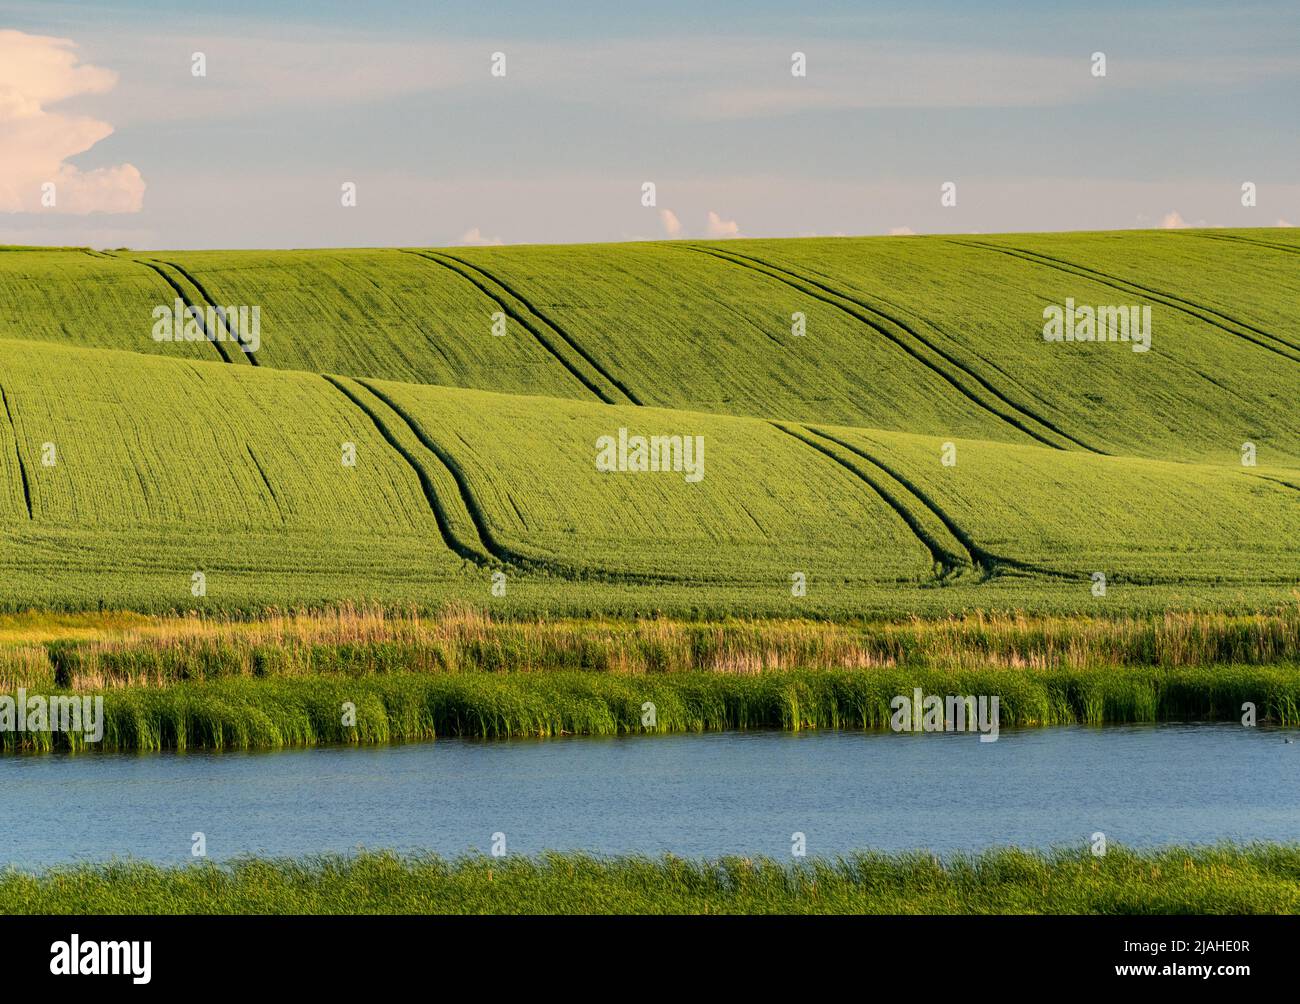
column 920, row 348
column 275, row 497
column 1278, row 481
column 1216, row 319
column 987, row 561
column 18, row 452
column 537, row 325
column 197, row 314
column 487, row 540
column 944, row 556
column 1251, row 241
column 480, row 555
column 487, row 550
column 490, row 542
column 219, row 310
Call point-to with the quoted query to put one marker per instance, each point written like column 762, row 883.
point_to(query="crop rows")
column 384, row 443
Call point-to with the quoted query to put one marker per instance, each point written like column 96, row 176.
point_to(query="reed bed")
column 249, row 713
column 358, row 641
column 1217, row 880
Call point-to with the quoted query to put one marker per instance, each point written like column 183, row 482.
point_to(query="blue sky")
column 398, row 98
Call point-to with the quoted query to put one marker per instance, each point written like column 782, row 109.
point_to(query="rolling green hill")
column 129, row 464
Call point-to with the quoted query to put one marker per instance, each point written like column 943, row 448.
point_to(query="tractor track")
column 1009, row 412
column 440, row 516
column 941, row 555
column 266, row 481
column 985, row 559
column 22, row 467
column 535, row 328
column 1288, row 248
column 1209, row 315
column 197, row 314
column 491, row 545
column 220, row 311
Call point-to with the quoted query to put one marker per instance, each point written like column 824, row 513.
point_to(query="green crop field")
column 846, row 427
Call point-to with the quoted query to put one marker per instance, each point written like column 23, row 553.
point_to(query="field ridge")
column 949, row 558
column 833, row 297
column 981, row 556
column 220, row 311
column 451, row 538
column 503, row 297
column 1209, row 315
column 191, row 310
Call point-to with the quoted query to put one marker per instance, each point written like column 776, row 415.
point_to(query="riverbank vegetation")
column 121, row 649
column 1219, row 880
column 252, row 713
column 366, row 675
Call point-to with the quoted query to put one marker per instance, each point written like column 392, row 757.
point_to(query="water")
column 692, row 795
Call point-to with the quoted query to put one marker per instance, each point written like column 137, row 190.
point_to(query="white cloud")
column 718, row 227
column 1173, row 220
column 901, row 232
column 1283, row 223
column 475, row 236
column 672, row 225
column 35, row 71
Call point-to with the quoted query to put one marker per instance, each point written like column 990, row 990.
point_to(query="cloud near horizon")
column 474, row 236
column 36, row 71
column 718, row 227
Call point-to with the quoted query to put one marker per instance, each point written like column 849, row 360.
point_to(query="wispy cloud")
column 685, row 78
column 672, row 225
column 911, row 76
column 255, row 75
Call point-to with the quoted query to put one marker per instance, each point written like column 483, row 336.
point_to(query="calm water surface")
column 692, row 795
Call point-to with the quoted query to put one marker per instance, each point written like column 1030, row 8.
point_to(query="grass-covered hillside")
column 852, row 425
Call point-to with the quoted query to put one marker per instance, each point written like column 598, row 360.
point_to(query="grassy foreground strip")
column 247, row 713
column 1220, row 880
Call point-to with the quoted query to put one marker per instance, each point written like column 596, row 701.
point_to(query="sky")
column 399, row 99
